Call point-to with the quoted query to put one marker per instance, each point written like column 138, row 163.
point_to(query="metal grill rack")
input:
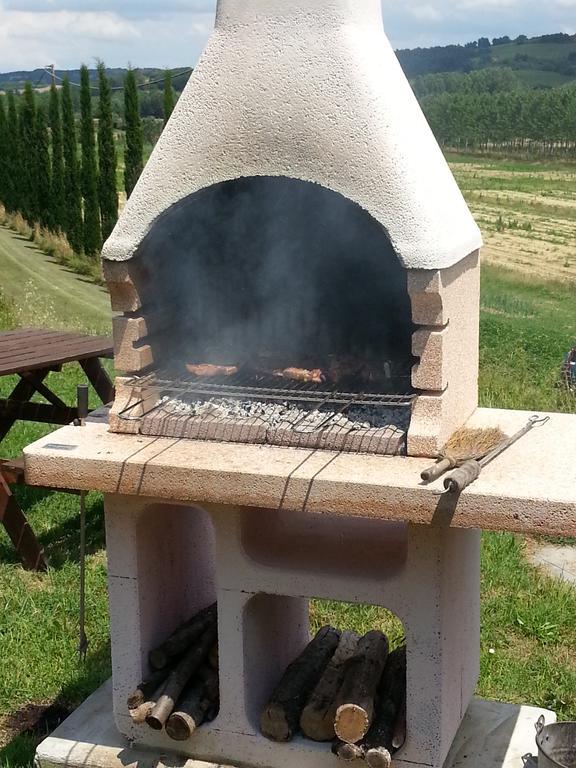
column 315, row 416
column 250, row 386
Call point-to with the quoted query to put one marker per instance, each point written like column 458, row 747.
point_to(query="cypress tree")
column 72, row 193
column 107, row 190
column 13, row 204
column 58, row 204
column 133, row 160
column 28, row 158
column 4, row 151
column 92, row 232
column 43, row 172
column 168, row 96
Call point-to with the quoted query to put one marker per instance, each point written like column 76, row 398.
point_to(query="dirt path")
column 45, row 293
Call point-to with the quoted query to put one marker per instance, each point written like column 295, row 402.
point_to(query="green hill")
column 539, row 62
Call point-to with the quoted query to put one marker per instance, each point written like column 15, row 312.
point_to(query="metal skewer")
column 470, row 471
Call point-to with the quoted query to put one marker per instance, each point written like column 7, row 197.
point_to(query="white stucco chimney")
column 312, row 90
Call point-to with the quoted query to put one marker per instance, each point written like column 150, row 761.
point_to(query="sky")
column 172, row 33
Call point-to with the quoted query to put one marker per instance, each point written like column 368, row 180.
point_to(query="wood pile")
column 345, row 689
column 182, row 690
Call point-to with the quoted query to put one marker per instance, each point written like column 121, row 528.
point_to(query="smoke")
column 274, row 268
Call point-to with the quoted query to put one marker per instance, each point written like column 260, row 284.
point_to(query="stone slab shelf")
column 529, row 489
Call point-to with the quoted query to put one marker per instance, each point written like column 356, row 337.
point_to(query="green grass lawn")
column 526, row 328
column 528, row 620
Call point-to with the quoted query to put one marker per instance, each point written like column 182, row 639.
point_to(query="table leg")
column 21, row 393
column 99, row 379
column 43, row 390
column 19, row 530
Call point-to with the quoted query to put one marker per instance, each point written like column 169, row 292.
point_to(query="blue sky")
column 171, row 33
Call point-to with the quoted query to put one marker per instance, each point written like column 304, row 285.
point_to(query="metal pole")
column 82, row 400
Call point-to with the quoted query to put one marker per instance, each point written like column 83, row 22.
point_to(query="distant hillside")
column 539, row 62
column 40, row 78
column 151, row 80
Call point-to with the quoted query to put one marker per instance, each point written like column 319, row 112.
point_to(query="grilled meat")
column 314, row 376
column 205, row 370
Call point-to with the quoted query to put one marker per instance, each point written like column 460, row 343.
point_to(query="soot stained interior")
column 273, row 268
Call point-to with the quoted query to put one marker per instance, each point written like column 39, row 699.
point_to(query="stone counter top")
column 529, row 489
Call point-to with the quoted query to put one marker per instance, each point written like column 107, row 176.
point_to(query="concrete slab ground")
column 557, row 561
column 493, row 735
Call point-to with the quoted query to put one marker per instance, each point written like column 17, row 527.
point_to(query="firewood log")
column 355, row 712
column 213, row 657
column 179, row 678
column 146, row 688
column 347, row 752
column 317, row 720
column 139, row 714
column 399, row 737
column 279, row 720
column 182, row 639
column 196, row 704
column 212, row 713
column 379, row 742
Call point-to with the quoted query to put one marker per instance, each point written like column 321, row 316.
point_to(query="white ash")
column 288, row 414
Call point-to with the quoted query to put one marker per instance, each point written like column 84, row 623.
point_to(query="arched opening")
column 272, row 272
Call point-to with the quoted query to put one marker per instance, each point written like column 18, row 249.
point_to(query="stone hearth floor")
column 493, row 735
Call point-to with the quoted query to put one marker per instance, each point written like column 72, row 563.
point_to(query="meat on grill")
column 315, row 376
column 205, row 370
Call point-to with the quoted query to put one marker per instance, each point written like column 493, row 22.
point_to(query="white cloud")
column 426, row 13
column 68, row 36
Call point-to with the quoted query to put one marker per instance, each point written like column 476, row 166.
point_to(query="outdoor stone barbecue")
column 297, row 214
column 297, row 277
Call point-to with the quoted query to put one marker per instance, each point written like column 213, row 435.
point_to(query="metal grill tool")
column 470, row 471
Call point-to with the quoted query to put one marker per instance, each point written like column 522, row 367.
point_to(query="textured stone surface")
column 447, row 371
column 311, row 91
column 529, row 489
column 165, row 560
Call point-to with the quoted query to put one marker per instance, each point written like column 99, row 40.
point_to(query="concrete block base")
column 165, row 561
column 492, row 735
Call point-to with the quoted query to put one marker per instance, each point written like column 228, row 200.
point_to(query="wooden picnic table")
column 31, row 354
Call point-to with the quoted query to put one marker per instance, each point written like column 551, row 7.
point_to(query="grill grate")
column 253, row 408
column 246, row 385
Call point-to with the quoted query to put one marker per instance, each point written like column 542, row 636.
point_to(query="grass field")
column 46, row 294
column 528, row 620
column 504, row 54
column 527, row 213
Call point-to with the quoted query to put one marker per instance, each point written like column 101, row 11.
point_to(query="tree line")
column 533, row 122
column 62, row 173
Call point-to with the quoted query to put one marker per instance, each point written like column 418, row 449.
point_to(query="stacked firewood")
column 346, row 689
column 182, row 691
